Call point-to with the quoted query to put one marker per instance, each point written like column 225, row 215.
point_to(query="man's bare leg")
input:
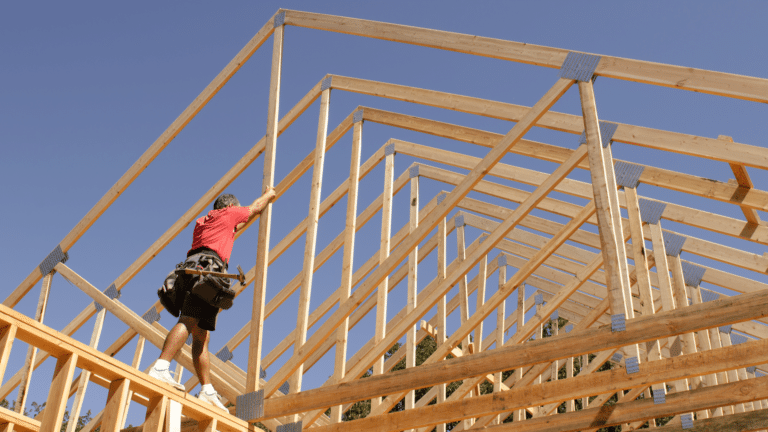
column 200, row 354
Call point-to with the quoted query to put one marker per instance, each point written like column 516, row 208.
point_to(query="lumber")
column 556, row 391
column 718, row 83
column 252, row 382
column 42, row 303
column 414, row 238
column 629, row 134
column 350, row 228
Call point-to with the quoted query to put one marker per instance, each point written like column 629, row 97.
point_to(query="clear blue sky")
column 88, row 86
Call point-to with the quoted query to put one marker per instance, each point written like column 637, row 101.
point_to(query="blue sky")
column 90, row 85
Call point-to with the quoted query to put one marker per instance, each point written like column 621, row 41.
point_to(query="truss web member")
column 213, row 238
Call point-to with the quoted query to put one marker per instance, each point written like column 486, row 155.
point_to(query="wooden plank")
column 29, row 361
column 605, row 216
column 717, row 223
column 718, row 83
column 103, row 365
column 148, row 156
column 577, row 342
column 745, row 184
column 441, row 309
column 7, row 336
column 411, row 299
column 311, row 238
column 115, row 408
column 549, row 392
column 500, row 314
column 463, row 295
column 18, row 422
column 252, row 382
column 383, row 288
column 493, row 239
column 635, row 135
column 82, row 382
column 751, row 421
column 340, row 364
column 416, row 237
column 56, row 403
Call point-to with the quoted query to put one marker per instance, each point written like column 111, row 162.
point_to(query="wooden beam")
column 350, row 228
column 56, row 403
column 42, row 303
column 493, row 157
column 717, row 223
column 718, row 83
column 629, row 134
column 252, row 382
column 7, row 336
column 555, row 392
column 745, row 184
column 745, row 422
column 82, row 381
column 311, row 238
column 115, row 409
column 494, row 238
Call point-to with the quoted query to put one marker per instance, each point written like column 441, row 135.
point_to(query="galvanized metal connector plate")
column 289, row 427
column 250, row 405
column 389, row 149
column 651, row 211
column 607, row 129
column 628, row 174
column 632, row 364
column 618, row 322
column 279, row 19
column 555, row 315
column 673, row 243
column 692, row 274
column 579, row 66
column 441, row 197
column 708, row 296
column 285, row 388
column 224, row 354
column 56, row 256
column 151, row 316
column 725, row 329
column 686, row 420
column 458, row 221
column 538, row 299
column 413, row 171
column 357, row 116
column 676, row 348
column 326, row 83
column 501, row 260
column 616, row 357
column 659, row 396
column 112, row 293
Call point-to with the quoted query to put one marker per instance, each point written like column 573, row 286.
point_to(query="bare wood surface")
column 29, row 361
column 718, row 83
column 252, row 382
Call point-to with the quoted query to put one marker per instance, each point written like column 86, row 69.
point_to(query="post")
column 386, row 232
column 347, row 265
column 42, row 303
column 311, row 239
column 252, row 382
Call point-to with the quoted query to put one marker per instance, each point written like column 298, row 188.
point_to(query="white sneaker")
column 165, row 376
column 213, row 399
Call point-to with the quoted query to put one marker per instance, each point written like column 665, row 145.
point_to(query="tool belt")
column 214, row 290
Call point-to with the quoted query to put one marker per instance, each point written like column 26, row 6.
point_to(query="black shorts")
column 195, row 307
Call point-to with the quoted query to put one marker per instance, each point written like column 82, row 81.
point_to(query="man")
column 214, row 235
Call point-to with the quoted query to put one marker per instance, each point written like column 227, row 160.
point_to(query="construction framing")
column 676, row 349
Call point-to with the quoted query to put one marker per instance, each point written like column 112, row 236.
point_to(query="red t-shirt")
column 216, row 230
